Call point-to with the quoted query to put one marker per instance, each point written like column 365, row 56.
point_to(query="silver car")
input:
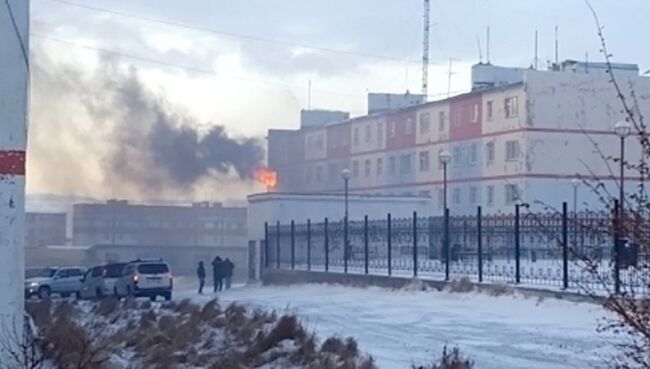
column 99, row 281
column 64, row 281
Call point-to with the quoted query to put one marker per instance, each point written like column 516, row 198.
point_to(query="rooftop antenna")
column 309, row 94
column 536, row 61
column 487, row 51
column 480, row 52
column 557, row 52
column 425, row 50
column 449, row 74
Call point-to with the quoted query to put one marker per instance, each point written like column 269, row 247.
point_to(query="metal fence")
column 543, row 249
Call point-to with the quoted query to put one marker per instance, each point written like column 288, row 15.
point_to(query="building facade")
column 45, row 229
column 121, row 223
column 523, row 140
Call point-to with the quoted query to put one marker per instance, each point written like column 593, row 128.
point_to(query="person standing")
column 229, row 268
column 217, row 273
column 200, row 273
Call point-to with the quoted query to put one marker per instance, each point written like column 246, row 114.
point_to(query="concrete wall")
column 13, row 134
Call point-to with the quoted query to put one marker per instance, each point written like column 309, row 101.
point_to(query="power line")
column 20, row 39
column 232, row 34
column 176, row 66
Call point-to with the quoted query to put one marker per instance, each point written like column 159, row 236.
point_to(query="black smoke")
column 142, row 141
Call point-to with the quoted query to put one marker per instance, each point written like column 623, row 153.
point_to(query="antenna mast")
column 425, row 51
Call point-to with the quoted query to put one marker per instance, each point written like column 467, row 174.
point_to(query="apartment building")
column 45, row 229
column 520, row 135
column 120, row 223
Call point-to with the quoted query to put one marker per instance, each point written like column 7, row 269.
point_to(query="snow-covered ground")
column 399, row 328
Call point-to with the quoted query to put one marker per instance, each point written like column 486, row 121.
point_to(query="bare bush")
column 450, row 360
column 23, row 351
column 463, row 285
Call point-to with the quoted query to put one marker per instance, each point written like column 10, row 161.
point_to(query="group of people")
column 222, row 272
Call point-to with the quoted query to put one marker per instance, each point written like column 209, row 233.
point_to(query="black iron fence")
column 556, row 249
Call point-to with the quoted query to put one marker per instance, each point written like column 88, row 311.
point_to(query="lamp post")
column 445, row 158
column 575, row 183
column 345, row 174
column 622, row 130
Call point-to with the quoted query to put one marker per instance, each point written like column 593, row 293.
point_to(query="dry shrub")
column 450, row 360
column 499, row 289
column 210, row 311
column 145, row 305
column 463, row 285
column 345, row 350
column 306, row 350
column 264, row 316
column 129, row 303
column 231, row 360
column 64, row 310
column 170, row 305
column 70, row 346
column 368, row 363
column 148, row 319
column 40, row 311
column 186, row 307
column 107, row 306
column 287, row 328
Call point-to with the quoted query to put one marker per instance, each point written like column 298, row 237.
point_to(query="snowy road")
column 399, row 328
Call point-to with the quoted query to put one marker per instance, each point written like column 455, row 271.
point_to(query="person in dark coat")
column 228, row 269
column 217, row 273
column 200, row 273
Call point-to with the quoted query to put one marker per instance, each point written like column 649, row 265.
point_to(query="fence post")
column 277, row 245
column 446, row 245
column 479, row 236
column 517, row 250
column 365, row 242
column 390, row 262
column 266, row 244
column 565, row 248
column 308, row 244
column 617, row 246
column 415, row 244
column 327, row 248
column 293, row 245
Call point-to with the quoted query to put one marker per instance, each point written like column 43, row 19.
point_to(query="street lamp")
column 345, row 174
column 622, row 130
column 445, row 158
column 575, row 183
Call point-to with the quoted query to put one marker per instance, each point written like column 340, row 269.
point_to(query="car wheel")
column 44, row 292
column 152, row 298
column 98, row 293
column 168, row 296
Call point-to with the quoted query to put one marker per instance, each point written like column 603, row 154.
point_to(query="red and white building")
column 519, row 135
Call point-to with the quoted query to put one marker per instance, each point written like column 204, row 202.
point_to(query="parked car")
column 99, row 281
column 64, row 281
column 145, row 278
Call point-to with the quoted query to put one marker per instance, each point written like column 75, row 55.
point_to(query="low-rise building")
column 44, row 229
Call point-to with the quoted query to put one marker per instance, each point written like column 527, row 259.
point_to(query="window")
column 425, row 123
column 368, row 168
column 392, row 165
column 458, row 156
column 440, row 164
column 319, row 173
column 380, row 132
column 512, row 194
column 473, row 195
column 489, row 106
column 355, row 136
column 355, row 168
column 441, row 121
column 456, row 196
column 367, row 133
column 391, row 129
column 473, row 153
column 333, row 172
column 475, row 113
column 457, row 118
column 408, row 128
column 512, row 150
column 424, row 161
column 490, row 195
column 511, row 106
column 380, row 166
column 489, row 152
column 319, row 142
column 405, row 163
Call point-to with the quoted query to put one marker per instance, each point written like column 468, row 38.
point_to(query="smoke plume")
column 107, row 128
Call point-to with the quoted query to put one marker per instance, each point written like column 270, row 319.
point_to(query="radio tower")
column 425, row 51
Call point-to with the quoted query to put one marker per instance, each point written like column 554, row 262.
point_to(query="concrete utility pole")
column 14, row 96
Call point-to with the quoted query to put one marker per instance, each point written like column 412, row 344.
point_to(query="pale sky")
column 252, row 72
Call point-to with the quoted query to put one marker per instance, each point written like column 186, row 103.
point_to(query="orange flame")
column 267, row 177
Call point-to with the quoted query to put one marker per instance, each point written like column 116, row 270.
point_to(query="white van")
column 100, row 281
column 145, row 278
